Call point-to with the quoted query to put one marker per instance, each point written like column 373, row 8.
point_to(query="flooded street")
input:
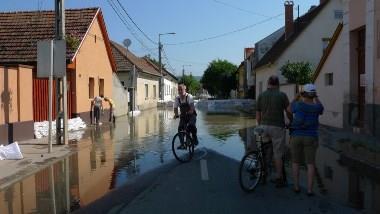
column 111, row 155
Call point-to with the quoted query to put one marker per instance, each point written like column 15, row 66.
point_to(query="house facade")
column 138, row 76
column 356, row 80
column 311, row 30
column 89, row 67
column 241, row 81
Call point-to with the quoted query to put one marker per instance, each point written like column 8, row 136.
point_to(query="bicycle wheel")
column 182, row 147
column 250, row 171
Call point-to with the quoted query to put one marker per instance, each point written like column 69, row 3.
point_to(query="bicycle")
column 253, row 166
column 183, row 145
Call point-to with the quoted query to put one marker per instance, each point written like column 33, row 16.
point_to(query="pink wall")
column 357, row 14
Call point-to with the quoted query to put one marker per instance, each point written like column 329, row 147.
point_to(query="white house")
column 347, row 76
column 170, row 84
column 303, row 40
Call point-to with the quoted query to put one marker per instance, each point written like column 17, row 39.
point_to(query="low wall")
column 228, row 106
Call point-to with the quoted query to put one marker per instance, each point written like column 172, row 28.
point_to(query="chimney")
column 248, row 52
column 289, row 23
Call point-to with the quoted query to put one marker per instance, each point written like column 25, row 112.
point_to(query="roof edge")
column 328, row 51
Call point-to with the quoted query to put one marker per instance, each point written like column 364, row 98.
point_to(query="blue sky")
column 191, row 20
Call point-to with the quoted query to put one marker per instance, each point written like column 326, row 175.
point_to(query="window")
column 329, row 79
column 325, row 43
column 91, row 86
column 338, row 14
column 146, row 91
column 154, row 92
column 101, row 86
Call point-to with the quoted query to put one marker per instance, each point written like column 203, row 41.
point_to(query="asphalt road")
column 208, row 184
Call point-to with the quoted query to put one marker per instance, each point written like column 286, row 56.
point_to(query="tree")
column 298, row 73
column 219, row 79
column 193, row 85
column 156, row 62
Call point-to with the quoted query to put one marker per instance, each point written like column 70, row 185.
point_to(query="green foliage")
column 193, row 85
column 299, row 73
column 156, row 62
column 72, row 42
column 219, row 78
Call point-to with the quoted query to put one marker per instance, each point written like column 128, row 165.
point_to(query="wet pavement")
column 114, row 156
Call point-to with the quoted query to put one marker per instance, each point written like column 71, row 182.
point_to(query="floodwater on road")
column 111, row 155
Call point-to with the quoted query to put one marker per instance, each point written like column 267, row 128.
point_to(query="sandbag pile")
column 41, row 129
column 10, row 152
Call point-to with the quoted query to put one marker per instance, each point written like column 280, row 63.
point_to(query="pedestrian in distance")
column 184, row 101
column 270, row 108
column 97, row 108
column 304, row 135
column 112, row 109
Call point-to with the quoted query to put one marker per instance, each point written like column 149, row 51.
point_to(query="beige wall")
column 16, row 94
column 92, row 61
column 143, row 102
column 26, row 94
column 333, row 96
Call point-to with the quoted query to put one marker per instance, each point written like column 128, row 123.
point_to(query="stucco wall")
column 120, row 97
column 143, row 102
column 333, row 96
column 16, row 94
column 26, row 95
column 170, row 90
column 92, row 61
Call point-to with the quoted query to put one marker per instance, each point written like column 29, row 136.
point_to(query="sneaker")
column 181, row 147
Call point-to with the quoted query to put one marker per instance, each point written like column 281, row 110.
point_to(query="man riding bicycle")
column 184, row 101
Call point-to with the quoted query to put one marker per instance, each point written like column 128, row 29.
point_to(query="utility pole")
column 183, row 70
column 161, row 86
column 61, row 82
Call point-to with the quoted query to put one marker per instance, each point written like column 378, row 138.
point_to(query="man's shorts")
column 303, row 147
column 277, row 136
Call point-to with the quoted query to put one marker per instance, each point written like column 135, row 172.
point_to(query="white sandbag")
column 10, row 152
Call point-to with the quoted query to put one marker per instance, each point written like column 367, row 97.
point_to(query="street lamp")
column 160, row 62
column 183, row 70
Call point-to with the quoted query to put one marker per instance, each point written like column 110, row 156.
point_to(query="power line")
column 240, row 9
column 227, row 33
column 130, row 18
column 167, row 60
column 126, row 24
column 186, row 61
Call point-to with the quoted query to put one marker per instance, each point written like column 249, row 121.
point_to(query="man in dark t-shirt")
column 270, row 108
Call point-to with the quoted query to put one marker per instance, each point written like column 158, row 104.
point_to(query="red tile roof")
column 20, row 31
column 121, row 55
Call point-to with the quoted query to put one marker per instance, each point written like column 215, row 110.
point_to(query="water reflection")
column 111, row 154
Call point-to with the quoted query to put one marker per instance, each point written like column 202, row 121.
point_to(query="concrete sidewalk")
column 36, row 157
column 208, row 185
